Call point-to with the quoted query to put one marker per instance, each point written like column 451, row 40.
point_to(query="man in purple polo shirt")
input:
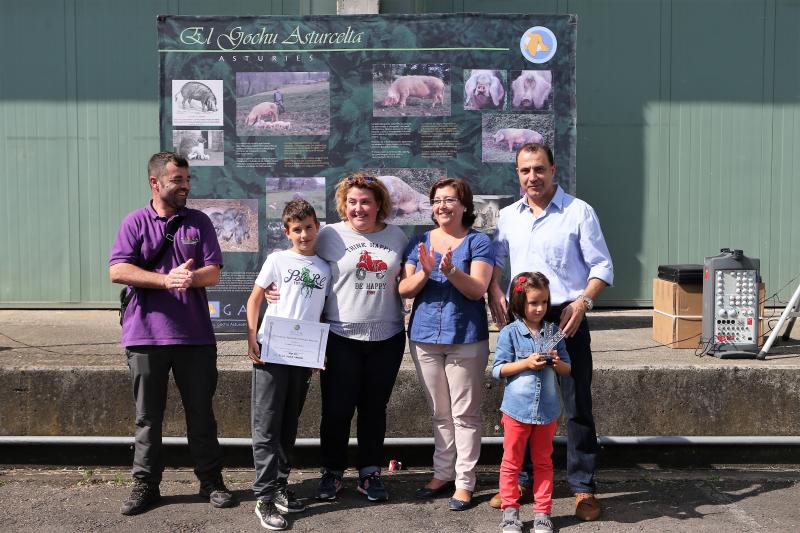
column 167, row 326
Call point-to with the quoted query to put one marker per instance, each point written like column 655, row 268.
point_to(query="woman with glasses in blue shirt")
column 447, row 271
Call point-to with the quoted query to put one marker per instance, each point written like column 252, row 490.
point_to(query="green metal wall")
column 78, row 121
column 688, row 123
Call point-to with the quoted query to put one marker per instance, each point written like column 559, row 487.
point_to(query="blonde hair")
column 362, row 180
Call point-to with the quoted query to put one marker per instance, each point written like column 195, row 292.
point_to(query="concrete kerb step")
column 62, row 373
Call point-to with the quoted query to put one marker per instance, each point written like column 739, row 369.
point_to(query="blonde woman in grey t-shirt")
column 367, row 335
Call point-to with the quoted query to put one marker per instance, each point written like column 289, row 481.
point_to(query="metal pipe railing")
column 646, row 440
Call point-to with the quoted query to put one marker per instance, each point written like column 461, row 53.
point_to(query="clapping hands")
column 446, row 264
column 180, row 277
column 427, row 259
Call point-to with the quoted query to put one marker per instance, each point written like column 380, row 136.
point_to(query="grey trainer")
column 542, row 523
column 511, row 523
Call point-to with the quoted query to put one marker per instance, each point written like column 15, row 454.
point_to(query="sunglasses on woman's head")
column 368, row 179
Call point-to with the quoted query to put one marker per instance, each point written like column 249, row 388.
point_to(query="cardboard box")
column 677, row 313
column 676, row 332
column 679, row 299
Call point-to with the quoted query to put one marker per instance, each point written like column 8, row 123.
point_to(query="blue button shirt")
column 530, row 397
column 565, row 243
column 441, row 314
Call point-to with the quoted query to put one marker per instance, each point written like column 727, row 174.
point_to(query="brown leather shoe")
column 525, row 496
column 587, row 507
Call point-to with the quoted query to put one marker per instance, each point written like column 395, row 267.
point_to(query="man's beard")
column 176, row 201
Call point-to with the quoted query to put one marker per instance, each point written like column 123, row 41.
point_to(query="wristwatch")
column 451, row 271
column 588, row 301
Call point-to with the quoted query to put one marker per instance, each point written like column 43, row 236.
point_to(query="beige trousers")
column 452, row 376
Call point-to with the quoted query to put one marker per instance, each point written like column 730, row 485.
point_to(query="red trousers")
column 515, row 436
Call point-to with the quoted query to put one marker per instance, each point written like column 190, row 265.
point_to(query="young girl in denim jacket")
column 531, row 404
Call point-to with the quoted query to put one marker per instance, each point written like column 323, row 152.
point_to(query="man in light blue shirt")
column 554, row 233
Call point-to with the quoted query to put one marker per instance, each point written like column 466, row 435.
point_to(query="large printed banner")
column 268, row 109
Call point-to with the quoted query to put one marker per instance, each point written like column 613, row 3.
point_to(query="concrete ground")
column 731, row 499
column 63, row 373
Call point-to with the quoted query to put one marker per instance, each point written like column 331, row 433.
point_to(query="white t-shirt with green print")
column 303, row 281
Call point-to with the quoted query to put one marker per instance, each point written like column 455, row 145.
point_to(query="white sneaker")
column 542, row 523
column 511, row 523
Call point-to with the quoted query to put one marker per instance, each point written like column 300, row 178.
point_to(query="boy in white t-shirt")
column 279, row 391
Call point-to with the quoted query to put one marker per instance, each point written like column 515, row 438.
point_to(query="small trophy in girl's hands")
column 551, row 337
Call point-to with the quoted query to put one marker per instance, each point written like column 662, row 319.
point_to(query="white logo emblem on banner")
column 538, row 44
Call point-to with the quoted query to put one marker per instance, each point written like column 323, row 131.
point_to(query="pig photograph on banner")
column 531, row 90
column 283, row 103
column 487, row 210
column 484, row 89
column 408, row 188
column 280, row 191
column 412, row 89
column 197, row 103
column 202, row 148
column 502, row 134
column 235, row 222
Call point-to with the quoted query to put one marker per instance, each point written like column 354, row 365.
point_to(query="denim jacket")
column 530, row 397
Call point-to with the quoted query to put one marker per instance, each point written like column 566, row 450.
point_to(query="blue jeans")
column 576, row 393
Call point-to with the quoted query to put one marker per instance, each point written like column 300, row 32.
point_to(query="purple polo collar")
column 155, row 216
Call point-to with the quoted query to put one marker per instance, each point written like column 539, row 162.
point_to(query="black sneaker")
column 329, row 486
column 286, row 501
column 372, row 487
column 269, row 516
column 216, row 492
column 143, row 495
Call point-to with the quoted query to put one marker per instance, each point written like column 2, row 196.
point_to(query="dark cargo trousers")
column 194, row 369
column 277, row 399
